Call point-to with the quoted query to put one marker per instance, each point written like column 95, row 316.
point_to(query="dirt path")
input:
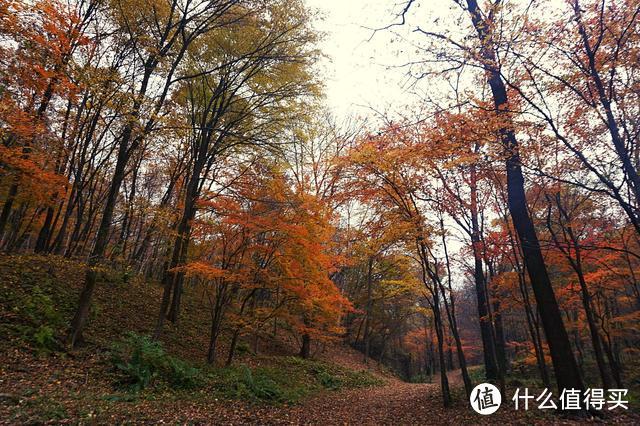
column 397, row 403
column 394, row 404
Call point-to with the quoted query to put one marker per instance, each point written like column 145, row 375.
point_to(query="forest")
column 190, row 233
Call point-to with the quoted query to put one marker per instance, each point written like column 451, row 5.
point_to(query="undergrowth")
column 33, row 307
column 37, row 300
column 288, row 380
column 141, row 362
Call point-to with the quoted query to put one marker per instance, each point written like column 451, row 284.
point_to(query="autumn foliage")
column 495, row 223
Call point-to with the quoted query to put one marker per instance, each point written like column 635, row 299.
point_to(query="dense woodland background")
column 169, row 168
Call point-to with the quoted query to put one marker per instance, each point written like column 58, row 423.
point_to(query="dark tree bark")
column 173, row 43
column 174, row 280
column 217, row 315
column 369, row 307
column 444, row 380
column 84, row 303
column 44, row 236
column 434, row 290
column 305, row 348
column 7, row 207
column 486, row 327
column 612, row 124
column 451, row 314
column 609, row 345
column 575, row 260
column 501, row 349
column 564, row 363
column 496, row 315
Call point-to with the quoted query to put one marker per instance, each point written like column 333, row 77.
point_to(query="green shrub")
column 44, row 339
column 39, row 310
column 334, row 377
column 243, row 348
column 477, row 374
column 361, row 379
column 39, row 307
column 262, row 384
column 329, row 381
column 420, row 378
column 181, row 375
column 141, row 360
column 138, row 359
column 321, row 372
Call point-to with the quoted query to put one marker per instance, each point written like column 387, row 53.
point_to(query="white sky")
column 363, row 74
column 359, row 72
column 356, row 73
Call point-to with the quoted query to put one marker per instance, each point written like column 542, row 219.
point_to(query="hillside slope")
column 121, row 376
column 40, row 381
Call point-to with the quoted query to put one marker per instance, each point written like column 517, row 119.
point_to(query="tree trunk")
column 367, row 317
column 305, row 349
column 232, row 346
column 43, row 235
column 608, row 348
column 8, row 205
column 564, row 363
column 496, row 315
column 82, row 312
column 181, row 245
column 612, row 124
column 444, row 381
column 450, row 307
column 576, row 264
column 492, row 371
column 596, row 340
column 486, row 328
column 501, row 349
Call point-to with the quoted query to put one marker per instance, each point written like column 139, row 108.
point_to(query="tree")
column 593, row 43
column 267, row 254
column 386, row 172
column 565, row 367
column 261, row 79
column 38, row 43
column 158, row 57
column 457, row 147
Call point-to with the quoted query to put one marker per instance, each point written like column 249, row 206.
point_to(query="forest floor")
column 42, row 383
column 400, row 403
column 395, row 402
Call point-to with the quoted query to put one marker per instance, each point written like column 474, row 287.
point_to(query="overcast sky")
column 364, row 70
column 356, row 69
